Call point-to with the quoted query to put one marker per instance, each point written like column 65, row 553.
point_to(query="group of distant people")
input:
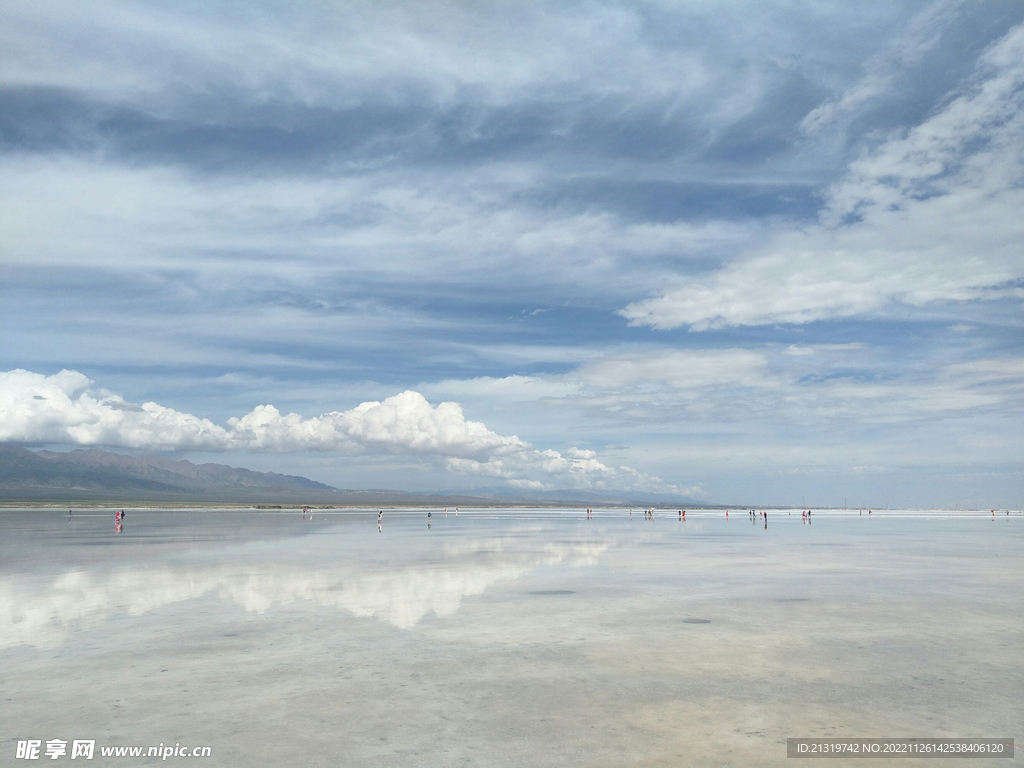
column 648, row 514
column 754, row 515
column 429, row 515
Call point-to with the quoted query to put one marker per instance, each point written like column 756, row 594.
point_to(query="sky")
column 746, row 253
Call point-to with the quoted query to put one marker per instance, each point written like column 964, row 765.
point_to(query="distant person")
column 630, row 513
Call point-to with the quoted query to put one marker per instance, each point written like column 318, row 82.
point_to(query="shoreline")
column 7, row 506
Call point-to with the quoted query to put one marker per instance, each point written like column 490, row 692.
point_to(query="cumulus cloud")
column 66, row 409
column 931, row 215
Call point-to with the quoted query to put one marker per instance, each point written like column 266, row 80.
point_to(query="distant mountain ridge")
column 182, row 473
column 88, row 475
column 35, row 474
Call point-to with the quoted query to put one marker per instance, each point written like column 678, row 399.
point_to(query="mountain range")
column 94, row 475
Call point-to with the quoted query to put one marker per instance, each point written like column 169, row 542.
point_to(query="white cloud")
column 405, row 421
column 65, row 408
column 810, row 350
column 932, row 215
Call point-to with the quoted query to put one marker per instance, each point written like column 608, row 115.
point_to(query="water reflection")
column 44, row 612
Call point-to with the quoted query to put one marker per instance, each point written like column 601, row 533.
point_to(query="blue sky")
column 748, row 252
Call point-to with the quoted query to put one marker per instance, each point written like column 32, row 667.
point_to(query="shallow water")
column 508, row 637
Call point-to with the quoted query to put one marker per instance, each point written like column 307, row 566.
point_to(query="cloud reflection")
column 44, row 613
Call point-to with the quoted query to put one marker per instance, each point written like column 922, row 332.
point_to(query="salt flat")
column 508, row 637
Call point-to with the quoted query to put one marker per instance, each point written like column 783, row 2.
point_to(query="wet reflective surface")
column 521, row 637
